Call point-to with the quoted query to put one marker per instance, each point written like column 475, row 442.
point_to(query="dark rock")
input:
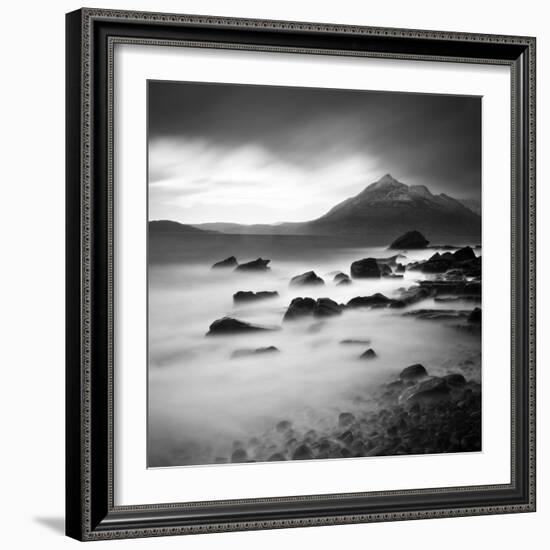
column 447, row 299
column 340, row 277
column 410, row 240
column 302, row 452
column 255, row 265
column 308, row 278
column 283, row 426
column 470, row 267
column 437, row 314
column 354, row 341
column 475, row 315
column 426, row 391
column 302, row 307
column 395, row 385
column 366, row 268
column 399, row 268
column 411, row 296
column 228, row 262
column 343, row 282
column 248, row 296
column 345, row 419
column 414, row 266
column 276, row 456
column 250, row 352
column 455, row 380
column 228, row 325
column 310, row 436
column 369, row 354
column 465, row 253
column 414, row 372
column 385, row 270
column 376, row 300
column 239, row 455
column 392, row 431
column 346, row 437
column 325, row 307
column 291, row 443
column 358, row 447
column 390, row 260
column 454, row 275
column 438, row 263
column 452, row 288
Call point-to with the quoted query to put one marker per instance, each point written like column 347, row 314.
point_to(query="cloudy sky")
column 265, row 154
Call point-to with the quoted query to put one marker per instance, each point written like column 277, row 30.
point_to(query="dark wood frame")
column 91, row 35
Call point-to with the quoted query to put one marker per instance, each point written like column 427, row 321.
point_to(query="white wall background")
column 32, row 273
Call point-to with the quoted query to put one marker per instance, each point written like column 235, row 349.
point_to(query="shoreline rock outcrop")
column 412, row 240
column 228, row 325
column 249, row 296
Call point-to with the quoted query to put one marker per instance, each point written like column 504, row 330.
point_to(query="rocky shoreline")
column 415, row 413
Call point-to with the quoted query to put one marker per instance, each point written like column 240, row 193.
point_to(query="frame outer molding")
column 81, row 523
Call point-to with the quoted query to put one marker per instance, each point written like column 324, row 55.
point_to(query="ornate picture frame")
column 91, row 510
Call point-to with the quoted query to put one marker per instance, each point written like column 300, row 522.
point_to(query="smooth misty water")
column 201, row 400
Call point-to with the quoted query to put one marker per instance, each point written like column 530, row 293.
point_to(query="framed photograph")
column 300, row 274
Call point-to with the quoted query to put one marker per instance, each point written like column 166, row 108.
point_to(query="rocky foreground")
column 413, row 414
column 416, row 413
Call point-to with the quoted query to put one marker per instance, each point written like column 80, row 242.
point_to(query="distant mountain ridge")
column 473, row 204
column 381, row 211
column 169, row 226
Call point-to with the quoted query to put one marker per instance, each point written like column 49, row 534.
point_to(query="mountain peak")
column 387, row 180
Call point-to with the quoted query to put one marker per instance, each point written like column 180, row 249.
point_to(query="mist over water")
column 201, row 400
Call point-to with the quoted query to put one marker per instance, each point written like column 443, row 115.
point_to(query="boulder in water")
column 255, row 265
column 438, row 263
column 308, row 278
column 345, row 419
column 249, row 296
column 340, row 276
column 410, row 240
column 325, row 307
column 455, row 379
column 228, row 325
column 366, row 268
column 385, row 270
column 466, row 253
column 376, row 300
column 413, row 372
column 283, row 426
column 369, row 354
column 302, row 307
column 426, row 391
column 228, row 262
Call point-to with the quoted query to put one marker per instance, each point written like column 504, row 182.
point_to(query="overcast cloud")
column 264, row 154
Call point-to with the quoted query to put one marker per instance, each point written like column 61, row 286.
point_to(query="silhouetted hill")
column 168, row 226
column 381, row 212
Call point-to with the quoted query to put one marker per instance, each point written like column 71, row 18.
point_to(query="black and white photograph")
column 314, row 273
